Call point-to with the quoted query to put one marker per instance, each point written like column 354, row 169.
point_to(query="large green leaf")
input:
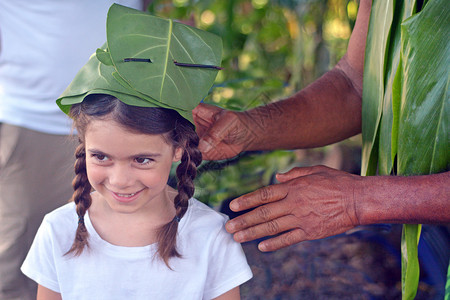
column 389, row 118
column 153, row 80
column 423, row 112
column 410, row 261
column 163, row 42
column 97, row 78
column 405, row 102
column 423, row 145
column 373, row 85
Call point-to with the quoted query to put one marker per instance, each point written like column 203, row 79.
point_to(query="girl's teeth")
column 126, row 195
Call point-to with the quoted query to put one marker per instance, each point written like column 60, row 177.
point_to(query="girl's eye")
column 143, row 160
column 100, row 157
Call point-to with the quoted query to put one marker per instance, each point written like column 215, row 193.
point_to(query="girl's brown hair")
column 178, row 131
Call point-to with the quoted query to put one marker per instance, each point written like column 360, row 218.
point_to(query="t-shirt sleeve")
column 39, row 265
column 228, row 267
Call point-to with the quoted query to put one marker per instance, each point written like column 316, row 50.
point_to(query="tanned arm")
column 404, row 199
column 326, row 111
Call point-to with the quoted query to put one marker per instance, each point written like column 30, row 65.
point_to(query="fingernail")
column 229, row 226
column 204, row 146
column 234, row 206
column 262, row 247
column 238, row 237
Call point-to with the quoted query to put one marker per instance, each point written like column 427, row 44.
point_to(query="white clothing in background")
column 43, row 44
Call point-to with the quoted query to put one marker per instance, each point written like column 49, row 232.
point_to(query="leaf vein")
column 167, row 58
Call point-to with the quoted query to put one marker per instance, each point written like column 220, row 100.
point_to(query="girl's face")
column 129, row 170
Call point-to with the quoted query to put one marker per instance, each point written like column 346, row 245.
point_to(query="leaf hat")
column 150, row 62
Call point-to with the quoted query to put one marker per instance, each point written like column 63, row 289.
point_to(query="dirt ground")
column 362, row 265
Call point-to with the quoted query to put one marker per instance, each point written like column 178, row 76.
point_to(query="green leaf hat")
column 150, row 62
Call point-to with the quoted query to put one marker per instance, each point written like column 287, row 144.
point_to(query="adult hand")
column 223, row 133
column 308, row 203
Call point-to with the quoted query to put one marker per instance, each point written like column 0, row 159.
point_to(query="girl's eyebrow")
column 95, row 151
column 143, row 154
column 146, row 155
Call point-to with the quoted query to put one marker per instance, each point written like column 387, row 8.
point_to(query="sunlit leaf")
column 373, row 87
column 423, row 146
column 405, row 106
column 163, row 42
column 389, row 119
column 423, row 114
column 410, row 261
column 138, row 63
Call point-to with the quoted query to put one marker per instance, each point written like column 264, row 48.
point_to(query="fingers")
column 222, row 134
column 215, row 134
column 205, row 112
column 284, row 240
column 267, row 214
column 271, row 227
column 292, row 235
column 204, row 116
column 261, row 196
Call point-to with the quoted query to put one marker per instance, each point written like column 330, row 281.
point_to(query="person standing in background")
column 42, row 46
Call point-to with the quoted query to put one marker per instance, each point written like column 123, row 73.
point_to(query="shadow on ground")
column 361, row 265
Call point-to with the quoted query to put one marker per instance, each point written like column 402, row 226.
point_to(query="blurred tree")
column 272, row 48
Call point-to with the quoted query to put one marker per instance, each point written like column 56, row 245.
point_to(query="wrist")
column 366, row 205
column 255, row 134
column 377, row 200
column 271, row 126
column 403, row 199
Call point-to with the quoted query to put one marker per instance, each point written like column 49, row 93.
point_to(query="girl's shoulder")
column 200, row 216
column 58, row 228
column 63, row 215
column 199, row 209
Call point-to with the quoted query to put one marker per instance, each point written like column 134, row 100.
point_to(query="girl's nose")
column 120, row 176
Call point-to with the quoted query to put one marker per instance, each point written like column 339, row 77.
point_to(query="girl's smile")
column 121, row 197
column 128, row 170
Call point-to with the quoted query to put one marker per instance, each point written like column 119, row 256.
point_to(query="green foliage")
column 405, row 106
column 410, row 260
column 424, row 118
column 272, row 48
column 134, row 34
column 245, row 175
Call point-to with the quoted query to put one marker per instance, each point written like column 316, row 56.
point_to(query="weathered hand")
column 222, row 133
column 308, row 203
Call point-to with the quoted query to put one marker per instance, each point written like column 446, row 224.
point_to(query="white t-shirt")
column 212, row 262
column 43, row 44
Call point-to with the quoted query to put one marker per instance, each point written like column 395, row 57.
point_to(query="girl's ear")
column 178, row 153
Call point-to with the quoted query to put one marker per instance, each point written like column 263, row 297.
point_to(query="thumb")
column 215, row 134
column 205, row 112
column 295, row 173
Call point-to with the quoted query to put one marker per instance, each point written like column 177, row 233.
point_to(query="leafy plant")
column 271, row 49
column 405, row 107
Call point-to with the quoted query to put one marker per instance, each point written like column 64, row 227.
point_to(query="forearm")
column 327, row 111
column 404, row 199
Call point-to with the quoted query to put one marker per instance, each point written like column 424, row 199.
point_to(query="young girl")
column 127, row 234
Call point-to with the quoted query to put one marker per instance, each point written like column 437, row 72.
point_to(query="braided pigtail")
column 186, row 172
column 82, row 199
